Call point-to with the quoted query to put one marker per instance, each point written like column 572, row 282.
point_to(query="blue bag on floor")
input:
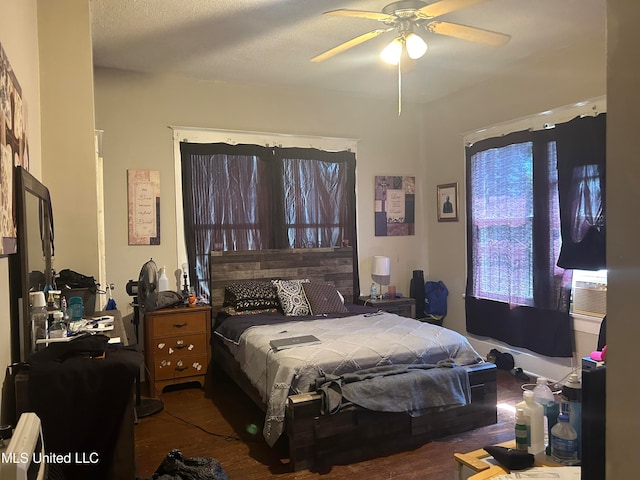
column 435, row 299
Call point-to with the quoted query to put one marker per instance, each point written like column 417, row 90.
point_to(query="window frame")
column 204, row 135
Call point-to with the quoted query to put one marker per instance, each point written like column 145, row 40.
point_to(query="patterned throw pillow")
column 229, row 310
column 292, row 298
column 323, row 298
column 251, row 295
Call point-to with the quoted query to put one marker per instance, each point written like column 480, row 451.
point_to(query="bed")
column 318, row 398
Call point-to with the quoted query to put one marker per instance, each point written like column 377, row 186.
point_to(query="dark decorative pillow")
column 323, row 298
column 292, row 298
column 229, row 310
column 251, row 295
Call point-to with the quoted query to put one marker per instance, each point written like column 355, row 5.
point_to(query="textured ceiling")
column 271, row 41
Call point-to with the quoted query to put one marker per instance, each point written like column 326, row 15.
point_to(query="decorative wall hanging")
column 448, row 202
column 395, row 205
column 14, row 150
column 144, row 207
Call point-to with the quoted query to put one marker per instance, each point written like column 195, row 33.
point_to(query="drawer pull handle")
column 182, row 368
column 180, row 346
column 180, row 325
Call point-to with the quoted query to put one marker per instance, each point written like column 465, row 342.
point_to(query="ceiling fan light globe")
column 392, row 52
column 416, row 46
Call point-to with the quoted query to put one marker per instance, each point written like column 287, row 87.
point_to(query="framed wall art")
column 395, row 198
column 143, row 189
column 448, row 202
column 14, row 150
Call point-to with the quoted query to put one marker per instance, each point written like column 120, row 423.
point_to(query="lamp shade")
column 381, row 270
column 392, row 52
column 416, row 46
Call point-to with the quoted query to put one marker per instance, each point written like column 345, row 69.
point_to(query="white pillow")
column 292, row 298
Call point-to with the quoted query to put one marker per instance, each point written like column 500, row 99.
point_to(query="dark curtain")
column 515, row 292
column 581, row 145
column 318, row 200
column 226, row 202
column 249, row 197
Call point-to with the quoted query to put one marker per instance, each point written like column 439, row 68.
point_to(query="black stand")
column 145, row 406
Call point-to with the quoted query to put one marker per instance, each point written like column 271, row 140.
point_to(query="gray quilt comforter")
column 347, row 345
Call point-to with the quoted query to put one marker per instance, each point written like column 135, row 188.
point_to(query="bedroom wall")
column 558, row 79
column 66, row 69
column 135, row 110
column 19, row 39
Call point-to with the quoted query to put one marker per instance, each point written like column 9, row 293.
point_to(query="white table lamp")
column 381, row 271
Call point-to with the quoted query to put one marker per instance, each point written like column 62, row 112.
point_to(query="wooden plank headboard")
column 329, row 265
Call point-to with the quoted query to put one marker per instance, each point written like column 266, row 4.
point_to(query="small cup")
column 192, row 299
column 391, row 291
column 345, row 242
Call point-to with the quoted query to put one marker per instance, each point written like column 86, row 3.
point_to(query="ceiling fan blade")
column 349, row 44
column 445, row 6
column 379, row 16
column 472, row 34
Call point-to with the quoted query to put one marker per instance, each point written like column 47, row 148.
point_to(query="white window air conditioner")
column 590, row 298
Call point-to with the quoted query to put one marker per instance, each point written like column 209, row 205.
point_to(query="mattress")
column 347, row 344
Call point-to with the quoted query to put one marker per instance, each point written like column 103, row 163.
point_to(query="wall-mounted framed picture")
column 448, row 202
column 395, row 198
column 144, row 207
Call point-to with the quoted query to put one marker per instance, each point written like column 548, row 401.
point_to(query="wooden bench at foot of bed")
column 352, row 434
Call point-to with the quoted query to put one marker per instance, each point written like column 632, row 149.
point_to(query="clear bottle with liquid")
column 564, row 442
column 57, row 329
column 544, row 396
column 373, row 293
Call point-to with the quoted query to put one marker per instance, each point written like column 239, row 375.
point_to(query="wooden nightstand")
column 404, row 306
column 176, row 346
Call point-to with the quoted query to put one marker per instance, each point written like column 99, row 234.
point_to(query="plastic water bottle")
column 572, row 406
column 57, row 328
column 564, row 442
column 163, row 281
column 544, row 396
column 535, row 414
column 373, row 292
column 39, row 316
column 521, row 430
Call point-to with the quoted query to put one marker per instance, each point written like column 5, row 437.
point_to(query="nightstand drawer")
column 403, row 306
column 180, row 366
column 179, row 324
column 180, row 345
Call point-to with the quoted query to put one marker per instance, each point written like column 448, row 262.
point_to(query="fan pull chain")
column 399, row 86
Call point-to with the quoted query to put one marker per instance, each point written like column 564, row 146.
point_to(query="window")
column 515, row 291
column 502, row 223
column 250, row 197
column 535, row 212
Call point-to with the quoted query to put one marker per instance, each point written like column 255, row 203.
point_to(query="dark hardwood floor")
column 212, row 422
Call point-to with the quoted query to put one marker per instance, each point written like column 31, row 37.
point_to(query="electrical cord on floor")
column 226, row 438
column 556, row 387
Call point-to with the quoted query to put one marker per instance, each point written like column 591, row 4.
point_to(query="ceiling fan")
column 407, row 17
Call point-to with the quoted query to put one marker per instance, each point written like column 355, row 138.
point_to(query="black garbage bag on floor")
column 176, row 466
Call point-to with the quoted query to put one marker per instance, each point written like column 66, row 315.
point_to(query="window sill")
column 586, row 323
